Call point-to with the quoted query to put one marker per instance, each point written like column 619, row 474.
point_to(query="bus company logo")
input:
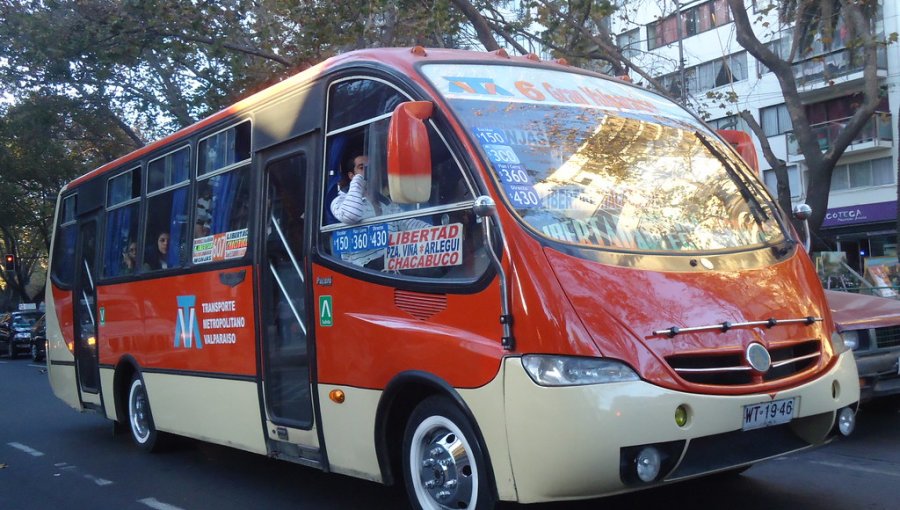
column 472, row 85
column 187, row 329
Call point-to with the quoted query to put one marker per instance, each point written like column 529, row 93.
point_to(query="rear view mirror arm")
column 486, row 210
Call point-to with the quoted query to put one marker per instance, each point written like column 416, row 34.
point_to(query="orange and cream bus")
column 484, row 277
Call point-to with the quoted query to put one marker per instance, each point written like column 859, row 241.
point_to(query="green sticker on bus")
column 102, row 315
column 326, row 311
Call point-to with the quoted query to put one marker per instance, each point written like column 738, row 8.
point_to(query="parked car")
column 871, row 327
column 15, row 332
column 39, row 340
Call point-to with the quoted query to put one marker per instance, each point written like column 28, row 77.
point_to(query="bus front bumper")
column 582, row 441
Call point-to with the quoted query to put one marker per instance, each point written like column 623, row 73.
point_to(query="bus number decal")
column 216, row 247
column 351, row 240
column 513, row 175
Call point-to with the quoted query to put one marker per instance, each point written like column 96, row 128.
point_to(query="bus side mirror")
column 409, row 153
column 802, row 212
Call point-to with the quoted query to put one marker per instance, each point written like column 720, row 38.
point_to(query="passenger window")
column 168, row 191
column 362, row 227
column 64, row 246
column 222, row 212
column 120, row 255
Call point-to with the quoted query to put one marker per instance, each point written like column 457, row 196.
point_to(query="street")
column 52, row 457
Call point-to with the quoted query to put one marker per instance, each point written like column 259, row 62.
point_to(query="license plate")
column 766, row 414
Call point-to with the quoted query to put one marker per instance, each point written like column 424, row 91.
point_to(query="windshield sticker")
column 439, row 246
column 216, row 247
column 513, row 175
column 549, row 87
column 357, row 239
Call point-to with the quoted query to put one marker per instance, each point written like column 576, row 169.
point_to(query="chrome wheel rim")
column 137, row 412
column 444, row 473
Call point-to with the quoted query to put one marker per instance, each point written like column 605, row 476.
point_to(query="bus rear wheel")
column 140, row 419
column 444, row 466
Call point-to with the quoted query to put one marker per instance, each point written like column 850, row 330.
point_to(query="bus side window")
column 222, row 209
column 168, row 190
column 220, row 230
column 441, row 240
column 122, row 212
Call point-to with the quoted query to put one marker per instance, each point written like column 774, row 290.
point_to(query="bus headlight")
column 851, row 339
column 549, row 370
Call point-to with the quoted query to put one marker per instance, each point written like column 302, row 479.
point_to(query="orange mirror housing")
column 409, row 153
column 743, row 144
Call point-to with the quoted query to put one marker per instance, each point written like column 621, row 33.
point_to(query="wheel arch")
column 402, row 394
column 125, row 370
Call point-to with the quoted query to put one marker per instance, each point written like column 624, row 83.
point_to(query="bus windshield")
column 600, row 164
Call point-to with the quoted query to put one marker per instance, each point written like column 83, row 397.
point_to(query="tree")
column 92, row 80
column 576, row 29
column 812, row 17
column 44, row 142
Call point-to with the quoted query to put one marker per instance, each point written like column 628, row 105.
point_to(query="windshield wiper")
column 746, row 190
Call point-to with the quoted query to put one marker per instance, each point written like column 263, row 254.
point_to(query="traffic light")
column 9, row 262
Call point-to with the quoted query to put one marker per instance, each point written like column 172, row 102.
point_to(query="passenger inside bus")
column 129, row 257
column 156, row 257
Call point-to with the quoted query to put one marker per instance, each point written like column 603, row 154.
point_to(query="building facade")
column 692, row 47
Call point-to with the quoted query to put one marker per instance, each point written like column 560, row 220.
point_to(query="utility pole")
column 678, row 33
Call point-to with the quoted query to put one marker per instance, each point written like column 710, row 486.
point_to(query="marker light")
column 71, row 347
column 337, row 396
column 647, row 463
column 681, row 415
column 91, row 341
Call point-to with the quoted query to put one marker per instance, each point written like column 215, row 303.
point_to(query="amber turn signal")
column 336, row 396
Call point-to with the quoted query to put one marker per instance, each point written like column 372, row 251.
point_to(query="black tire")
column 140, row 419
column 435, row 479
column 35, row 355
column 11, row 349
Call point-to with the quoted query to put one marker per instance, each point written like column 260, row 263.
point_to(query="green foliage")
column 85, row 81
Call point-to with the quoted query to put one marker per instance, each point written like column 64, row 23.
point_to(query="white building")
column 861, row 217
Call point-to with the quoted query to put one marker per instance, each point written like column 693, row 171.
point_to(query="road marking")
column 99, row 481
column 856, row 468
column 26, row 449
column 158, row 505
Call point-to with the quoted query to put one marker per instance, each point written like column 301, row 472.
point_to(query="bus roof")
column 402, row 59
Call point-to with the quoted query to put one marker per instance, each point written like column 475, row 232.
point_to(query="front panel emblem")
column 758, row 357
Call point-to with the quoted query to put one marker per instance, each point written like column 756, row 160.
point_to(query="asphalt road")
column 52, row 457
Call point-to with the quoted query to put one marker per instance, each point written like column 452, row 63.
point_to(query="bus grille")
column 888, row 337
column 730, row 368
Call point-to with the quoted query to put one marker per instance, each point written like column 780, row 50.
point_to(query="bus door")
column 85, row 320
column 287, row 380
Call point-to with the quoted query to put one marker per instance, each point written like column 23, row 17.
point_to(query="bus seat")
column 333, row 164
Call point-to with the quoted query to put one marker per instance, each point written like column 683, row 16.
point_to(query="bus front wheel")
column 143, row 431
column 444, row 466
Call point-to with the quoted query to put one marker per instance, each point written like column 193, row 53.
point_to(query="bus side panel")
column 201, row 322
column 374, row 336
column 219, row 411
column 61, row 361
column 193, row 338
column 348, row 429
